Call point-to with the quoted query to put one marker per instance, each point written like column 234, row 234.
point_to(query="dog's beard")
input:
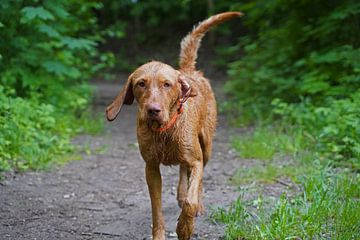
column 153, row 124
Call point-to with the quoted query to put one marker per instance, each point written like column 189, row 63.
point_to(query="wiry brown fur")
column 157, row 87
column 191, row 43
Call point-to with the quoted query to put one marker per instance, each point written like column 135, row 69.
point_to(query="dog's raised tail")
column 191, row 43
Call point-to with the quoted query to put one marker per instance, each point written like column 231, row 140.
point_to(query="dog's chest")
column 162, row 149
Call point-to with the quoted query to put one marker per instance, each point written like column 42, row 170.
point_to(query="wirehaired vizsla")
column 175, row 125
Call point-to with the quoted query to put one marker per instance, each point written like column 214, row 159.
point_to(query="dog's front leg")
column 183, row 185
column 153, row 179
column 185, row 226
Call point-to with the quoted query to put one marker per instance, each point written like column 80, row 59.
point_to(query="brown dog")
column 175, row 125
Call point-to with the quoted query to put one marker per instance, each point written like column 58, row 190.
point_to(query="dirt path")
column 104, row 196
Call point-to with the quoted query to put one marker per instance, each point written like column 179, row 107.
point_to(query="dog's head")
column 157, row 87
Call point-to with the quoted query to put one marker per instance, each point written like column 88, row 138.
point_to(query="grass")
column 265, row 143
column 326, row 207
column 268, row 145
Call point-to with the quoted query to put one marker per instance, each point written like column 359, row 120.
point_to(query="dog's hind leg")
column 206, row 148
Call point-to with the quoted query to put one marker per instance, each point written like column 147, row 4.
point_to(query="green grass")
column 266, row 142
column 269, row 146
column 327, row 206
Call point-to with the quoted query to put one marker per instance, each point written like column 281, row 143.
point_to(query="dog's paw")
column 200, row 210
column 185, row 226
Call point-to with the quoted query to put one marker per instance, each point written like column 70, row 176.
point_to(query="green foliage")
column 152, row 28
column 47, row 53
column 39, row 43
column 302, row 63
column 296, row 51
column 27, row 137
column 151, row 21
column 328, row 207
column 335, row 126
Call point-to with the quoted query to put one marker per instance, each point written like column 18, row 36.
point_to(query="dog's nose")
column 153, row 110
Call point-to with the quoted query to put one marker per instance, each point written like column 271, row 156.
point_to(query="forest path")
column 104, row 195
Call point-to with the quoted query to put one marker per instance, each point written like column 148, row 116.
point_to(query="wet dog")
column 175, row 125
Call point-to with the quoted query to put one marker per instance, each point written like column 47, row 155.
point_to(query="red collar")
column 172, row 121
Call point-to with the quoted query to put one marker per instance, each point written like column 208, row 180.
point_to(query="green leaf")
column 78, row 43
column 55, row 67
column 51, row 32
column 57, row 9
column 73, row 72
column 31, row 13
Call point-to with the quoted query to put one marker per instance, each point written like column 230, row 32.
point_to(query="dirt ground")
column 104, row 195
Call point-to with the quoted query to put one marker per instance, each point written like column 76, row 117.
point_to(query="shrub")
column 302, row 63
column 294, row 51
column 47, row 54
column 335, row 126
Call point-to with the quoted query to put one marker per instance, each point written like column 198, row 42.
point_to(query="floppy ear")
column 186, row 89
column 125, row 96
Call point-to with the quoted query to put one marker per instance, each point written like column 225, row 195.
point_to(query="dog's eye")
column 141, row 84
column 167, row 85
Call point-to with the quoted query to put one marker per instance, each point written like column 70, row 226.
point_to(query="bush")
column 294, row 51
column 28, row 136
column 47, row 54
column 335, row 126
column 302, row 63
